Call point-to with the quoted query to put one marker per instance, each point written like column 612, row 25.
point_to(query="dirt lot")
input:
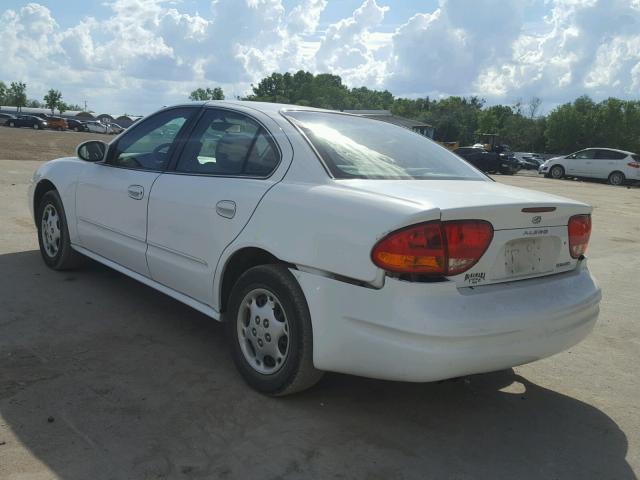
column 104, row 378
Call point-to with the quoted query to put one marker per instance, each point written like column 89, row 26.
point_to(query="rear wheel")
column 53, row 234
column 269, row 327
column 11, row 124
column 616, row 178
column 556, row 172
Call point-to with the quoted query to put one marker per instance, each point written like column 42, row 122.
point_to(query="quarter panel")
column 325, row 227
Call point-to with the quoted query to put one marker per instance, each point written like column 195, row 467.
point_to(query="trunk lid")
column 526, row 244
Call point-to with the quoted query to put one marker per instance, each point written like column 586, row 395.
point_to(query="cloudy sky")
column 136, row 55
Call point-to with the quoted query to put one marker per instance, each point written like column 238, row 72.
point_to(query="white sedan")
column 326, row 242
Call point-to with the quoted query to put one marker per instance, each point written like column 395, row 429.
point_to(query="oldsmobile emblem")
column 537, row 219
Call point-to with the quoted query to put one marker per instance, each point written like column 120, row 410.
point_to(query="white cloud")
column 304, row 17
column 148, row 53
column 346, row 50
column 592, row 47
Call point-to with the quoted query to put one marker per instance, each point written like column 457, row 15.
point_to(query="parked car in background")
column 57, row 123
column 96, row 127
column 27, row 121
column 115, row 129
column 531, row 161
column 490, row 162
column 615, row 166
column 76, row 125
column 326, row 241
column 4, row 117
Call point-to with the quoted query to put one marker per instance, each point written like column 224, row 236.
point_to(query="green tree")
column 203, row 94
column 17, row 95
column 33, row 103
column 582, row 123
column 455, row 119
column 52, row 100
column 3, row 93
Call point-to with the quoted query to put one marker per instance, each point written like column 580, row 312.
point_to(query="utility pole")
column 85, row 105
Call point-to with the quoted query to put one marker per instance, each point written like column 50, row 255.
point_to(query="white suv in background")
column 616, row 166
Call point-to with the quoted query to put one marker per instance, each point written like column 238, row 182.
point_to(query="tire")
column 616, row 178
column 76, row 129
column 11, row 124
column 271, row 296
column 56, row 255
column 36, row 126
column 557, row 172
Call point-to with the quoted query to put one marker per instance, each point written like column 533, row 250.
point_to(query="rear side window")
column 228, row 143
column 358, row 147
column 610, row 155
column 636, row 157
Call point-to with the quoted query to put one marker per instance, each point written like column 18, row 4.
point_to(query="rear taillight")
column 579, row 233
column 634, row 164
column 434, row 248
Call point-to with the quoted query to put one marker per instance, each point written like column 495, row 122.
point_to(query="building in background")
column 386, row 116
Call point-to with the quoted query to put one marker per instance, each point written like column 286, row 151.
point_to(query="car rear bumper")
column 431, row 331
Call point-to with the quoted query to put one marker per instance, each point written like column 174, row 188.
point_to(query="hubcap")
column 616, row 179
column 263, row 331
column 50, row 228
column 556, row 172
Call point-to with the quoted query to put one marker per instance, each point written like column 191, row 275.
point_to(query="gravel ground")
column 104, row 378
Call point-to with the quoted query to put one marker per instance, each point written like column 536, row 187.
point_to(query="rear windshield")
column 358, row 147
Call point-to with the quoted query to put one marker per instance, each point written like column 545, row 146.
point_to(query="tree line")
column 569, row 127
column 15, row 95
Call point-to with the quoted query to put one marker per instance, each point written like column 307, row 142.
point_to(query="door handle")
column 226, row 208
column 135, row 191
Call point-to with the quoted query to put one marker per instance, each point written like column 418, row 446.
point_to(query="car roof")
column 626, row 152
column 265, row 107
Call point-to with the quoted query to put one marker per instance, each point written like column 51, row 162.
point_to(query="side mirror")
column 91, row 151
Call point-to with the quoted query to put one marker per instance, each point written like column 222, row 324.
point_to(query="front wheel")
column 53, row 234
column 11, row 124
column 269, row 327
column 616, row 178
column 556, row 172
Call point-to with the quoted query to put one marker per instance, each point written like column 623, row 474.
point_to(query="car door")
column 580, row 163
column 112, row 196
column 204, row 201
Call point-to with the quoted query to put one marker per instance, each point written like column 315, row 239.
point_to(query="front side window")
column 358, row 147
column 584, row 155
column 228, row 143
column 147, row 146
